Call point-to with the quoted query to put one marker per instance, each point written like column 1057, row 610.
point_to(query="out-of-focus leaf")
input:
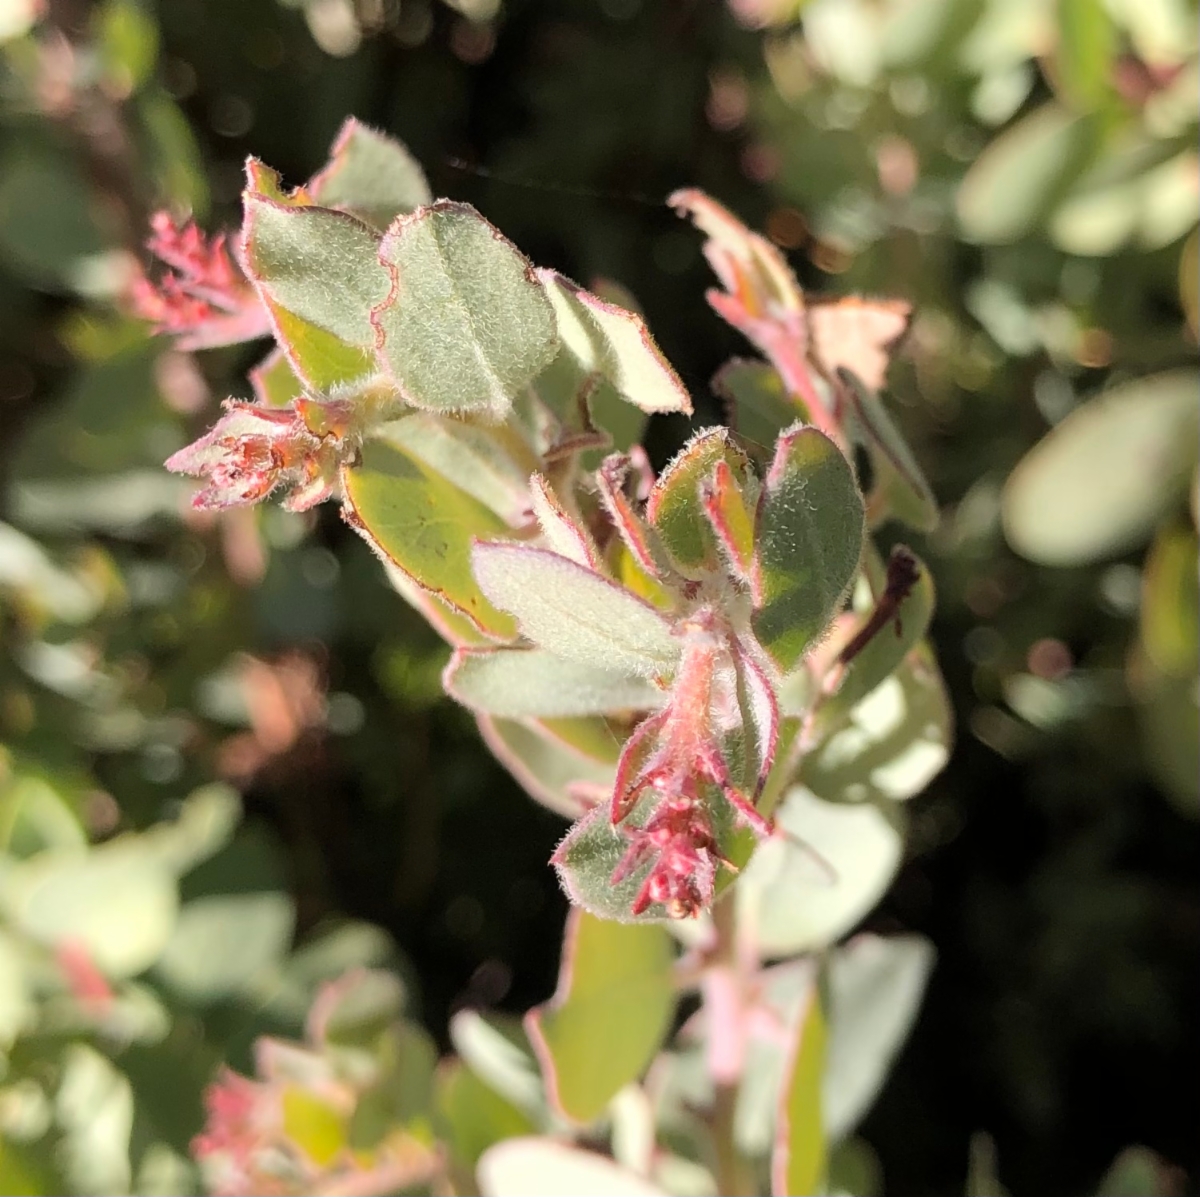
column 900, row 489
column 424, row 525
column 676, row 509
column 895, row 740
column 467, row 324
column 370, row 174
column 174, row 157
column 223, row 943
column 1137, row 1172
column 573, row 612
column 875, row 987
column 94, row 1108
column 48, row 224
column 313, row 1125
column 1083, row 59
column 1139, row 439
column 476, row 1116
column 519, row 683
column 127, row 39
column 496, row 1050
column 809, row 538
column 1013, row 184
column 274, row 380
column 356, row 1009
column 118, row 902
column 800, row 1157
column 536, row 1167
column 318, row 264
column 608, row 1016
column 982, row 1177
column 615, row 344
column 1170, row 609
column 800, row 899
column 543, row 765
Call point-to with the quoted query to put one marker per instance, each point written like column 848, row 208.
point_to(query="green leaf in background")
column 316, row 263
column 356, row 1009
column 894, row 741
column 1169, row 616
column 1014, row 183
column 757, row 406
column 809, row 538
column 496, row 1049
column 1138, row 1172
column 474, row 1114
column 794, row 901
column 490, row 463
column 314, row 1126
column 675, row 507
column 371, row 175
column 118, row 902
column 1084, row 56
column 875, row 987
column 523, row 683
column 885, row 650
column 1098, row 483
column 320, row 360
column 538, row 1167
column 127, row 37
column 573, row 612
column 543, row 765
column 900, row 489
column 224, row 943
column 608, row 1016
column 424, row 525
column 614, row 344
column 799, row 1159
column 467, row 324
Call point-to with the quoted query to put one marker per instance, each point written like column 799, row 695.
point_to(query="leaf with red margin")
column 799, row 1159
column 610, row 478
column 676, row 509
column 321, row 361
column 573, row 612
column 609, row 1015
column 808, row 542
column 731, row 519
column 614, row 344
column 425, row 526
column 467, row 324
column 563, row 534
column 371, row 175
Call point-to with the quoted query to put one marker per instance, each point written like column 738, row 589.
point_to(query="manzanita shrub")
column 714, row 673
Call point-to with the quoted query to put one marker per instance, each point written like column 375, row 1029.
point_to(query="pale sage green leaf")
column 800, row 1156
column 318, row 264
column 496, row 1049
column 467, row 325
column 609, row 1014
column 1099, row 482
column 475, row 1114
column 370, row 174
column 575, row 613
column 1083, row 58
column 614, row 344
column 875, row 987
column 533, row 683
column 543, row 1167
column 808, row 538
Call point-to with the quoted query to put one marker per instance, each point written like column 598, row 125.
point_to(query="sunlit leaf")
column 799, row 1159
column 609, row 1014
column 536, row 1167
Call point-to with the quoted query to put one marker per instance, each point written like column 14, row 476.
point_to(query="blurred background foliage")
column 227, row 772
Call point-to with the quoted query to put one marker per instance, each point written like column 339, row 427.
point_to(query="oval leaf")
column 809, row 537
column 576, row 614
column 537, row 1167
column 608, row 1016
column 467, row 324
column 799, row 1158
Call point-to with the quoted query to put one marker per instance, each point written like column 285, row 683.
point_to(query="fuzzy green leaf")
column 321, row 361
column 467, row 324
column 372, row 175
column 900, row 489
column 608, row 1016
column 274, row 380
column 519, row 683
column 676, row 509
column 318, row 264
column 424, row 525
column 614, row 344
column 799, row 1160
column 1100, row 481
column 573, row 612
column 809, row 537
